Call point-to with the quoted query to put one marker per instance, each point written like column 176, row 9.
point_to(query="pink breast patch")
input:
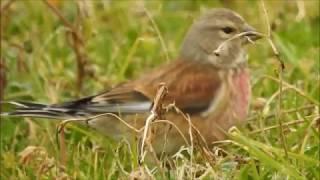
column 241, row 94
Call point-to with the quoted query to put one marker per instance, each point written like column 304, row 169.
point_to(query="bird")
column 208, row 83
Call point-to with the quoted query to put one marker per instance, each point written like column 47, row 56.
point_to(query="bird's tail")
column 84, row 107
column 30, row 109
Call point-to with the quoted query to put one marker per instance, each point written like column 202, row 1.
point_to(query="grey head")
column 212, row 29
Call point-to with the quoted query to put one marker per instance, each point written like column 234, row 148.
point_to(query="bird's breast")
column 240, row 93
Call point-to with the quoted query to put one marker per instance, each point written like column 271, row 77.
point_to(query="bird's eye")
column 228, row 30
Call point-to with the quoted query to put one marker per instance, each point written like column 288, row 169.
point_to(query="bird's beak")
column 251, row 33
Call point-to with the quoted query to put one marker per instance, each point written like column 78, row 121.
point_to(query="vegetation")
column 52, row 51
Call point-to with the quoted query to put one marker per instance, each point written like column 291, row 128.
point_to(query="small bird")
column 209, row 82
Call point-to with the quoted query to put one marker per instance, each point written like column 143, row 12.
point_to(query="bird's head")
column 218, row 37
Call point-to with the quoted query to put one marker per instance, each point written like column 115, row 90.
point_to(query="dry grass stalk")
column 295, row 122
column 280, row 73
column 290, row 86
column 155, row 27
column 63, row 149
column 37, row 158
column 3, row 78
column 156, row 113
column 6, row 6
column 77, row 44
column 294, row 110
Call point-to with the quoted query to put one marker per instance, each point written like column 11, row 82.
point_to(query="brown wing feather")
column 192, row 86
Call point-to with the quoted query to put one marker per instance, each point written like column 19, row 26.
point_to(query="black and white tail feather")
column 81, row 108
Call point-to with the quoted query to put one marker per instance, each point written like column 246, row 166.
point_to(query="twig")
column 177, row 110
column 299, row 91
column 242, row 34
column 164, row 47
column 61, row 136
column 61, row 126
column 281, row 68
column 272, row 97
column 276, row 126
column 86, row 120
column 5, row 7
column 3, row 79
column 150, row 118
column 21, row 63
column 63, row 151
column 121, row 167
column 301, row 10
column 284, row 112
column 307, row 132
column 64, row 20
column 77, row 45
column 191, row 141
column 203, row 146
column 173, row 125
column 156, row 113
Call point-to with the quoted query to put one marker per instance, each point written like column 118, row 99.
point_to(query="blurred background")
column 57, row 50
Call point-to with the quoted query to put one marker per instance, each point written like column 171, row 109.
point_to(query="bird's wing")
column 191, row 86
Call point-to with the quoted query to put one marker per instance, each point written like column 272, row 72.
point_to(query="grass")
column 119, row 42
